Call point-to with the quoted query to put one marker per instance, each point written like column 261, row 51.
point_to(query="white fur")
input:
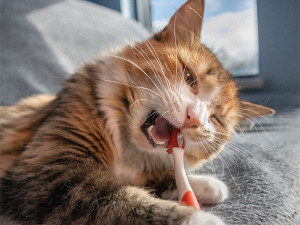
column 203, row 218
column 133, row 162
column 181, row 100
column 208, row 190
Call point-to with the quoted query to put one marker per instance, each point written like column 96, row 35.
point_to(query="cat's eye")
column 188, row 77
column 216, row 121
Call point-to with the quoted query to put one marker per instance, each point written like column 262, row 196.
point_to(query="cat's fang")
column 149, row 129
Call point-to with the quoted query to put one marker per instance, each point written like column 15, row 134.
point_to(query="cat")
column 95, row 153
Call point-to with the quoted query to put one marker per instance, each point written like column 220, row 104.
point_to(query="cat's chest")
column 130, row 166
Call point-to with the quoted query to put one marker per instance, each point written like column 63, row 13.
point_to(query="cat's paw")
column 203, row 218
column 208, row 190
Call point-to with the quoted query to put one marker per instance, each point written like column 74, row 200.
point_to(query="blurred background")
column 257, row 41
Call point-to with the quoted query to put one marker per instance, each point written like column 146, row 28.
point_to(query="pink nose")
column 191, row 120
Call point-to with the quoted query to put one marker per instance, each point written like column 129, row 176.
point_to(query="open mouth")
column 157, row 129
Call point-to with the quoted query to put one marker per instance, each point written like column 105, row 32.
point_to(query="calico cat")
column 95, row 153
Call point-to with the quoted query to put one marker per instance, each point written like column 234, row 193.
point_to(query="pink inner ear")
column 162, row 130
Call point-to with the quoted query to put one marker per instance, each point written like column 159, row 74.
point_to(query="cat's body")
column 89, row 154
column 52, row 145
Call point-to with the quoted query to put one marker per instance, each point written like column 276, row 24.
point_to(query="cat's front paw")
column 208, row 190
column 203, row 218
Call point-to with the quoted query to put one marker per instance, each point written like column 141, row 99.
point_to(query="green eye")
column 188, row 77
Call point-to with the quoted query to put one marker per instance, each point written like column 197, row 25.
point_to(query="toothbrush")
column 185, row 192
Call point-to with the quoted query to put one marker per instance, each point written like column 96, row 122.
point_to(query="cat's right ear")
column 185, row 24
column 250, row 110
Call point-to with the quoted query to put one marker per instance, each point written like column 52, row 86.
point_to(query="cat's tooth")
column 160, row 142
column 149, row 129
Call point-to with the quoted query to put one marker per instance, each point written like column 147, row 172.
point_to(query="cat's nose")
column 191, row 119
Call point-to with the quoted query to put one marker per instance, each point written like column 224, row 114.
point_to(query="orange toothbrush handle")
column 189, row 199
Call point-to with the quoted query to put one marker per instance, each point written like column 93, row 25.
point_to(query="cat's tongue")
column 161, row 131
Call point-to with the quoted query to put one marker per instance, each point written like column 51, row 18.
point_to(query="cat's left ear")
column 250, row 110
column 185, row 24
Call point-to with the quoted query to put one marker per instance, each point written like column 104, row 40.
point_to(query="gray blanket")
column 262, row 170
column 43, row 41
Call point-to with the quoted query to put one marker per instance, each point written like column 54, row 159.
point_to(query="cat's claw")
column 204, row 218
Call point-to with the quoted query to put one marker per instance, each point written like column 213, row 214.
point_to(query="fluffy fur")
column 81, row 157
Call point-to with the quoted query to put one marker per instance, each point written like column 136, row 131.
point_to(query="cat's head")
column 172, row 80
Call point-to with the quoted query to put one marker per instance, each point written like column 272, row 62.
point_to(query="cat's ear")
column 185, row 24
column 250, row 110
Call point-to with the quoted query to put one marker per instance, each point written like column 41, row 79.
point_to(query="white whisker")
column 137, row 87
column 149, row 60
column 158, row 61
column 142, row 99
column 119, row 57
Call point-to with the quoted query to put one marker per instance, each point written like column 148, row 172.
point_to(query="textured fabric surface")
column 44, row 41
column 262, row 170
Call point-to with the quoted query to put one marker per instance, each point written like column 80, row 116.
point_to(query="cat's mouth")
column 157, row 129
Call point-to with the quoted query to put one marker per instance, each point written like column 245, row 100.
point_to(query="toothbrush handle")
column 185, row 192
column 189, row 199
